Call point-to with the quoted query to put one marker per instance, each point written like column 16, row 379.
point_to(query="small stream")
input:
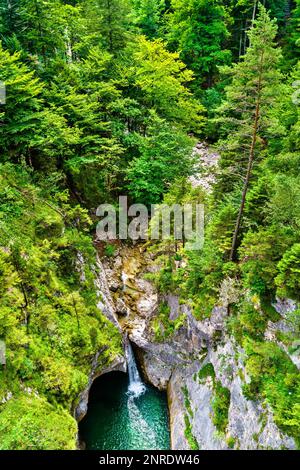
column 125, row 414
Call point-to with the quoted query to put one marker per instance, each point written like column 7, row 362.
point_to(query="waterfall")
column 135, row 389
column 136, row 386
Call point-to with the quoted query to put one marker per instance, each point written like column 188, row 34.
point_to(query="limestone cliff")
column 174, row 363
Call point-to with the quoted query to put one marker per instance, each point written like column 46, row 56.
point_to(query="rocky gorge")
column 174, row 364
column 196, row 361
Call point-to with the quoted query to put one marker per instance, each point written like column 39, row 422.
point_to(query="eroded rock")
column 173, row 363
column 118, row 364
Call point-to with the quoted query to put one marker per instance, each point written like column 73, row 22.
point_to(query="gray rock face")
column 119, row 364
column 105, row 304
column 121, row 308
column 202, row 426
column 157, row 372
column 200, row 397
column 176, row 410
column 250, row 426
column 173, row 364
column 286, row 308
column 109, row 309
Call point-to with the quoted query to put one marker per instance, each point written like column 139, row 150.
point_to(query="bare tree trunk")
column 241, row 40
column 287, row 11
column 245, row 37
column 254, row 11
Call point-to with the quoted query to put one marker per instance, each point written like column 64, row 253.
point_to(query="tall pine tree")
column 198, row 29
column 246, row 114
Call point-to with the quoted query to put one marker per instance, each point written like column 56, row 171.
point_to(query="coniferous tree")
column 29, row 129
column 20, row 115
column 198, row 29
column 10, row 22
column 245, row 113
column 292, row 41
column 148, row 15
column 244, row 12
column 109, row 21
column 42, row 30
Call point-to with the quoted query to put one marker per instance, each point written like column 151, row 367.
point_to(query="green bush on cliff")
column 220, row 406
column 49, row 318
column 187, row 402
column 247, row 322
column 30, row 423
column 162, row 326
column 206, row 371
column 275, row 378
column 188, row 432
column 220, row 400
column 288, row 279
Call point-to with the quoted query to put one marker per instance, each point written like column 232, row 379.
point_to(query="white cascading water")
column 136, row 386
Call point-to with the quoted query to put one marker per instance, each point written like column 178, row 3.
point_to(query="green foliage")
column 275, row 378
column 165, row 155
column 221, row 398
column 188, row 432
column 231, row 442
column 102, row 98
column 198, row 29
column 206, row 371
column 288, row 279
column 148, row 16
column 243, row 97
column 20, row 121
column 114, row 22
column 109, row 250
column 41, row 27
column 205, row 276
column 220, row 406
column 292, row 40
column 187, row 402
column 163, row 78
column 34, row 424
column 50, row 322
column 162, row 326
column 250, row 321
column 260, row 253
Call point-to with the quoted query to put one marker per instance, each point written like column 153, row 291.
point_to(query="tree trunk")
column 254, row 11
column 245, row 190
column 250, row 164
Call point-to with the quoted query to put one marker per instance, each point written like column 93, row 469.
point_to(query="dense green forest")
column 109, row 97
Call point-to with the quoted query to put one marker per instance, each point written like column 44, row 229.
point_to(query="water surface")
column 117, row 419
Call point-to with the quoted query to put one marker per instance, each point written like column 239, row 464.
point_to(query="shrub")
column 34, row 424
column 206, row 371
column 275, row 378
column 162, row 326
column 189, row 434
column 220, row 406
column 288, row 279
